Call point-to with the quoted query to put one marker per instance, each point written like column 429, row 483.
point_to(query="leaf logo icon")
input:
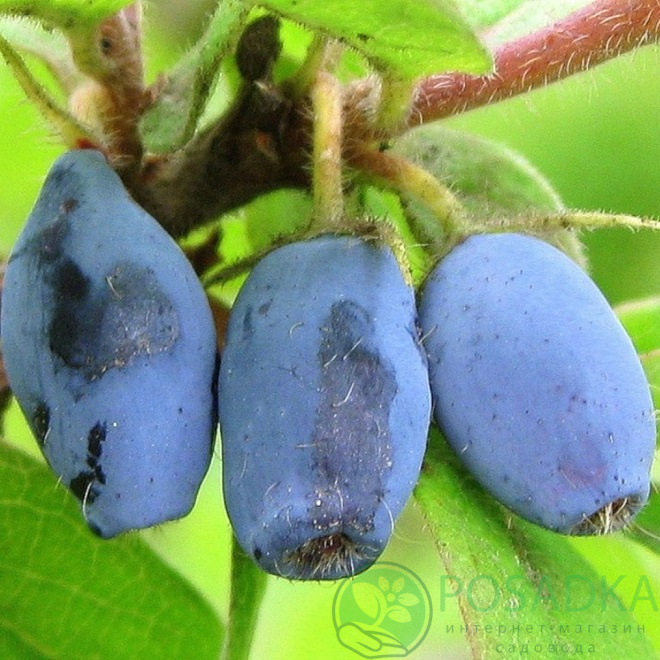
column 384, row 612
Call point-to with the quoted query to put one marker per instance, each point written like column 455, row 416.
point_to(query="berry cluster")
column 325, row 387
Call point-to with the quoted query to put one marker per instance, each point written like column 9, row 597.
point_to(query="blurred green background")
column 595, row 136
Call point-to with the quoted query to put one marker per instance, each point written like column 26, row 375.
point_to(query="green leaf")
column 492, row 182
column 489, row 179
column 182, row 96
column 64, row 13
column 274, row 215
column 484, row 13
column 248, row 585
column 383, row 584
column 641, row 319
column 398, row 585
column 501, row 569
column 512, row 19
column 646, row 528
column 66, row 593
column 381, row 32
column 49, row 46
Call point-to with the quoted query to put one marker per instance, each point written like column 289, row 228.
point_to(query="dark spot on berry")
column 263, row 309
column 108, row 325
column 248, row 327
column 95, row 438
column 69, row 205
column 41, row 422
column 357, row 387
column 82, row 486
column 72, row 283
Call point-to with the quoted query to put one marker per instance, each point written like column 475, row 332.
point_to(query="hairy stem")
column 598, row 32
column 413, row 182
column 569, row 220
column 327, row 153
column 73, row 132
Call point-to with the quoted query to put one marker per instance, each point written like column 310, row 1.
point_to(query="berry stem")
column 248, row 585
column 322, row 55
column 414, row 183
column 395, row 103
column 598, row 32
column 327, row 185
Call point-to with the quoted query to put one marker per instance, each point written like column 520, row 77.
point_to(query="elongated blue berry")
column 536, row 385
column 324, row 407
column 109, row 346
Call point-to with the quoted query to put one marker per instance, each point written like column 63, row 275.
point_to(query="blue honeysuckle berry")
column 110, row 349
column 536, row 385
column 324, row 407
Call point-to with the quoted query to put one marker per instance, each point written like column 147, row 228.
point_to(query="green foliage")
column 381, row 32
column 495, row 185
column 503, row 570
column 647, row 525
column 64, row 14
column 172, row 120
column 642, row 321
column 510, row 19
column 66, row 593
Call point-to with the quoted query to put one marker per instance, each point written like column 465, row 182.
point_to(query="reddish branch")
column 596, row 33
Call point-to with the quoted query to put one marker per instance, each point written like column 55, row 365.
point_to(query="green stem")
column 415, row 183
column 248, row 585
column 567, row 220
column 322, row 55
column 396, row 99
column 73, row 132
column 327, row 183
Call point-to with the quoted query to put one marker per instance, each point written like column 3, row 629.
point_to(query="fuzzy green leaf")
column 532, row 579
column 484, row 13
column 493, row 183
column 646, row 529
column 49, row 46
column 641, row 319
column 182, row 97
column 381, row 32
column 65, row 593
column 64, row 13
column 512, row 19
